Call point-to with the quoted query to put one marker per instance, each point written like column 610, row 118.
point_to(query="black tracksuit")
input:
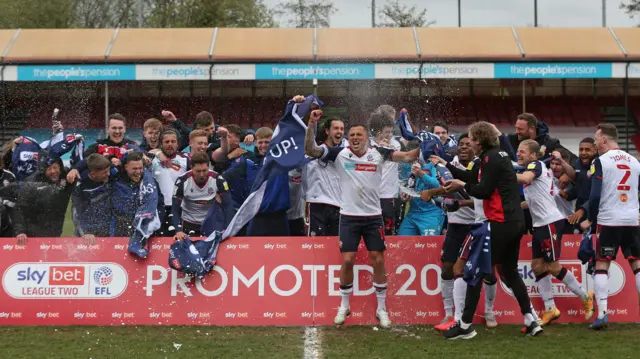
column 496, row 184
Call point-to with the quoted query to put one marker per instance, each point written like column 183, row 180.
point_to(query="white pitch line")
column 311, row 343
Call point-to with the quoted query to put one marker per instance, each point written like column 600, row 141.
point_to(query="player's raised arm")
column 311, row 149
column 409, row 156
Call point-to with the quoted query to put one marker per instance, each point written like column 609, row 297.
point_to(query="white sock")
column 447, row 296
column 381, row 294
column 602, row 293
column 572, row 283
column 528, row 319
column 345, row 292
column 638, row 281
column 459, row 295
column 490, row 291
column 546, row 292
column 464, row 325
column 534, row 314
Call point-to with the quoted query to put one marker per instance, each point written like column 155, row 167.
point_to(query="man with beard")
column 126, row 194
column 193, row 194
column 360, row 169
column 42, row 201
column 528, row 127
column 321, row 184
column 113, row 147
column 166, row 169
column 495, row 183
column 381, row 127
column 582, row 188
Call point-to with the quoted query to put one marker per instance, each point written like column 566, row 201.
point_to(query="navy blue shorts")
column 609, row 239
column 546, row 241
column 453, row 241
column 369, row 228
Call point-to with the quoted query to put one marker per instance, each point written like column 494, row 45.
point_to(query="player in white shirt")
column 381, row 126
column 321, row 185
column 613, row 204
column 360, row 171
column 166, row 169
column 295, row 213
column 548, row 223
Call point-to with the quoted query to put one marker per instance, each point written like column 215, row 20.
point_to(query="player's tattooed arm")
column 427, row 195
column 311, row 149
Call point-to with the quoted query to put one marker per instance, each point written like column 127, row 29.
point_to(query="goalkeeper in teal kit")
column 424, row 218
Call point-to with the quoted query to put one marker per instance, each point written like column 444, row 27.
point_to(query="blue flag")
column 286, row 152
column 147, row 219
column 478, row 263
column 430, row 144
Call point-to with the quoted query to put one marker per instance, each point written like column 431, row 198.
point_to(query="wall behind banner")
column 259, row 281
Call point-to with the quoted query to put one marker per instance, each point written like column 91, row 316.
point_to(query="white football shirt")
column 197, row 199
column 167, row 173
column 389, row 187
column 619, row 172
column 321, row 182
column 540, row 195
column 465, row 215
column 360, row 178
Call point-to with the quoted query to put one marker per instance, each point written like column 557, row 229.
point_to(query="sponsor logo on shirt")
column 360, row 167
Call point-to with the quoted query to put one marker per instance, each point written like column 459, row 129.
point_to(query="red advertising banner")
column 258, row 281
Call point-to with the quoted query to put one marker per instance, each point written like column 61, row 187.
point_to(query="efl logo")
column 66, row 275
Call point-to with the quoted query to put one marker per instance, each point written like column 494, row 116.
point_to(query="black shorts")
column 609, row 239
column 323, row 219
column 297, row 227
column 370, row 228
column 546, row 242
column 453, row 241
column 191, row 229
column 391, row 214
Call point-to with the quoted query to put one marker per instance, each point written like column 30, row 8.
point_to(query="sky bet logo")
column 57, row 275
column 38, row 280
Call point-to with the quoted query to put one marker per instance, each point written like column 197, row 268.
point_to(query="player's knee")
column 447, row 271
column 377, row 260
column 348, row 262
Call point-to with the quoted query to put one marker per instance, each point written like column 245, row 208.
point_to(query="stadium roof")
column 320, row 45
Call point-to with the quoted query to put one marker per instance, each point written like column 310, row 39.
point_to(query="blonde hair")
column 264, row 132
column 533, row 147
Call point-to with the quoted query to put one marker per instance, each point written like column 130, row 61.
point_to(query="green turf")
column 150, row 342
column 68, row 228
column 557, row 342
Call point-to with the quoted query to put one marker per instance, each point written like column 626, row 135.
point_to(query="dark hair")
column 117, row 116
column 236, row 130
column 133, row 157
column 532, row 121
column 413, row 144
column 610, row 130
column 199, row 158
column 379, row 121
column 462, row 136
column 484, row 133
column 588, row 140
column 169, row 132
column 366, row 129
column 322, row 135
column 203, row 119
column 564, row 153
column 440, row 124
column 97, row 162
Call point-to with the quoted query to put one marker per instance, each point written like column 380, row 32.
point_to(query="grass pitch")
column 558, row 341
